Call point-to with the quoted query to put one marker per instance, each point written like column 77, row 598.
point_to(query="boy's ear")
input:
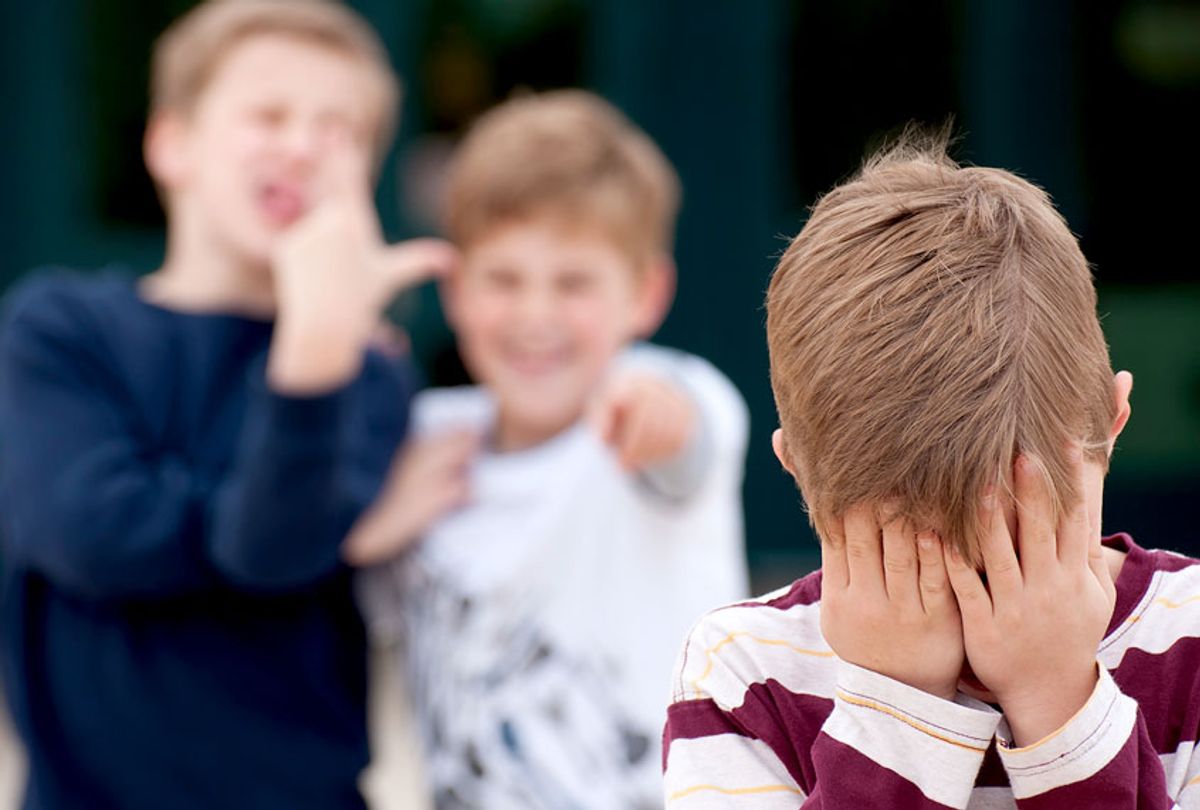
column 1122, row 387
column 656, row 294
column 164, row 149
column 781, row 451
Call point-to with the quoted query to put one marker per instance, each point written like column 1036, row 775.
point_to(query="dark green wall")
column 761, row 105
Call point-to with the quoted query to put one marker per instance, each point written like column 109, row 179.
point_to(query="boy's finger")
column 635, row 437
column 606, row 410
column 834, row 571
column 1035, row 517
column 347, row 173
column 1099, row 567
column 934, row 584
column 679, row 423
column 604, row 415
column 459, row 448
column 451, row 450
column 408, row 263
column 973, row 599
column 660, row 439
column 999, row 556
column 1076, row 536
column 864, row 555
column 900, row 563
column 456, row 494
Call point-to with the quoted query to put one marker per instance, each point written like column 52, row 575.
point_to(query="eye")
column 575, row 282
column 335, row 127
column 269, row 115
column 500, row 279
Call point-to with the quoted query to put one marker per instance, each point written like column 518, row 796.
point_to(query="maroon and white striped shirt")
column 764, row 715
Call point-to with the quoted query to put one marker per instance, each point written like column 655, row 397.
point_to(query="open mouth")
column 282, row 203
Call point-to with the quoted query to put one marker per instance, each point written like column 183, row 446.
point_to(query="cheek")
column 480, row 321
column 603, row 325
column 239, row 145
column 225, row 163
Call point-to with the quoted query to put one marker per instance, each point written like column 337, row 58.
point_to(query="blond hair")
column 188, row 53
column 566, row 154
column 928, row 323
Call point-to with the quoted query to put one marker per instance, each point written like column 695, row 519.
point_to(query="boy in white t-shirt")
column 602, row 509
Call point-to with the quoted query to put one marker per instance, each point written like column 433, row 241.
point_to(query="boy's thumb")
column 605, row 415
column 408, row 263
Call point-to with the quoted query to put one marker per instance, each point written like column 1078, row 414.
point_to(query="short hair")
column 188, row 53
column 930, row 322
column 570, row 155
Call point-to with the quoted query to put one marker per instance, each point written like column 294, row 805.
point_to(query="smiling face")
column 251, row 157
column 540, row 310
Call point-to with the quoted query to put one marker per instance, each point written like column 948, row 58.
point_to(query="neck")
column 513, row 435
column 203, row 274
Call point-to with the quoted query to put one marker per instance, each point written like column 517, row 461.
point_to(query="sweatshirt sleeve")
column 1102, row 759
column 732, row 743
column 278, row 519
column 89, row 505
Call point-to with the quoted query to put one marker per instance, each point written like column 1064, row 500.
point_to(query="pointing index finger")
column 347, row 173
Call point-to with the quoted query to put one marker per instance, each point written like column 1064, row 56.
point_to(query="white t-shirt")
column 540, row 624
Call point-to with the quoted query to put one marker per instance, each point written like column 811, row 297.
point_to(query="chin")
column 544, row 419
column 538, row 418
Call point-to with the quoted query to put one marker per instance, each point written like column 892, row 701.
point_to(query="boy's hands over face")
column 645, row 419
column 428, row 479
column 886, row 603
column 334, row 275
column 1031, row 634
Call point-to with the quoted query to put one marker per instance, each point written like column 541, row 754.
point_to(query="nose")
column 301, row 142
column 536, row 304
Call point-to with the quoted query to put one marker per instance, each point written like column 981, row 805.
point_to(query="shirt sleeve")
column 887, row 739
column 92, row 508
column 884, row 744
column 1102, row 759
column 1189, row 794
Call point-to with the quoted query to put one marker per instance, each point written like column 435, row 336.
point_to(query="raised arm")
column 849, row 701
column 307, row 468
column 764, row 715
column 1103, row 759
column 671, row 418
column 1031, row 635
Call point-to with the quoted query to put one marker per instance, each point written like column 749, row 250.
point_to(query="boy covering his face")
column 948, row 411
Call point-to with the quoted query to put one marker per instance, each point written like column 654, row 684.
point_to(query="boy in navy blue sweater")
column 183, row 457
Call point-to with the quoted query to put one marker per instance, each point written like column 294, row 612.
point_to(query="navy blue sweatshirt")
column 177, row 629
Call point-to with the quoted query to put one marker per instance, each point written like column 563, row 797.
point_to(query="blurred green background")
column 761, row 104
